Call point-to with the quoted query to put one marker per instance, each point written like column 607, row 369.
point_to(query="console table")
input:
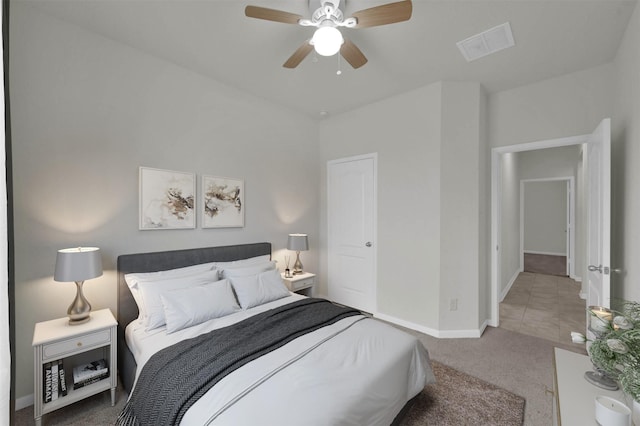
column 574, row 403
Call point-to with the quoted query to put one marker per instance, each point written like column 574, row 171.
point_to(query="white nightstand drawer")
column 300, row 284
column 88, row 341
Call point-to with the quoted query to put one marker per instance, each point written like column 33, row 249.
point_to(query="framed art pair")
column 168, row 200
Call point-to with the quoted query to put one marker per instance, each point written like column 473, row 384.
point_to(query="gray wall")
column 430, row 149
column 545, row 217
column 625, row 152
column 560, row 163
column 405, row 131
column 86, row 113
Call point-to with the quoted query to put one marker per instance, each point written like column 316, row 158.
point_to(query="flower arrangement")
column 616, row 348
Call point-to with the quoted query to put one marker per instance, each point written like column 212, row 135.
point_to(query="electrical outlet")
column 453, row 304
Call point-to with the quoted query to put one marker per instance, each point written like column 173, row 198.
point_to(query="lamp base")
column 601, row 380
column 80, row 310
column 297, row 267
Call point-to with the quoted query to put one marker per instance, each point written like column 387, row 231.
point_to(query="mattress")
column 356, row 371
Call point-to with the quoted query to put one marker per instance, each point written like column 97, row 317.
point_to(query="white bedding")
column 358, row 371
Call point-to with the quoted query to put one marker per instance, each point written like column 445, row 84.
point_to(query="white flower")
column 622, row 323
column 617, row 346
column 578, row 337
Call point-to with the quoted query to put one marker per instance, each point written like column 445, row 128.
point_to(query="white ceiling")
column 214, row 38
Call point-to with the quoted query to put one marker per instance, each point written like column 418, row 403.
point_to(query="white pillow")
column 244, row 262
column 243, row 271
column 133, row 279
column 194, row 305
column 151, row 290
column 254, row 290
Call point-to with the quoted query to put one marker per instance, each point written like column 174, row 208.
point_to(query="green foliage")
column 616, row 350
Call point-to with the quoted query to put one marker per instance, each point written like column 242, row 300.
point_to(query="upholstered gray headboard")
column 160, row 261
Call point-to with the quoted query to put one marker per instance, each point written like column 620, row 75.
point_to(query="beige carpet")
column 460, row 399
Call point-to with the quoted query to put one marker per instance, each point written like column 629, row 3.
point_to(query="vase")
column 635, row 413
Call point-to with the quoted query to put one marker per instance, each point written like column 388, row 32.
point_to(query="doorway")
column 351, row 231
column 547, row 226
column 504, row 162
column 597, row 163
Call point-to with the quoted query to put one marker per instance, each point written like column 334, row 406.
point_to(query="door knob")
column 368, row 244
column 593, row 268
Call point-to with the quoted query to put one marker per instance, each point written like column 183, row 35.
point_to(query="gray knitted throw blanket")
column 176, row 377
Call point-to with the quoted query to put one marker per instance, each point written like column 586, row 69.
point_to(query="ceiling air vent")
column 487, row 42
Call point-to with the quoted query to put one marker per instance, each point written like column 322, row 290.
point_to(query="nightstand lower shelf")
column 58, row 344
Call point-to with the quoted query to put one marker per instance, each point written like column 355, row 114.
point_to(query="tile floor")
column 544, row 306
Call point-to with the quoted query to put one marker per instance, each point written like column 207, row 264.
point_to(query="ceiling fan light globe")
column 327, row 41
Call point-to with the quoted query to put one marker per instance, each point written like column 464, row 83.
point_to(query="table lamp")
column 298, row 243
column 78, row 264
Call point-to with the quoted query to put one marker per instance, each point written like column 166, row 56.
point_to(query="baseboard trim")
column 545, row 253
column 24, row 402
column 509, row 285
column 442, row 334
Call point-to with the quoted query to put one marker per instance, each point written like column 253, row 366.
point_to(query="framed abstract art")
column 222, row 202
column 167, row 199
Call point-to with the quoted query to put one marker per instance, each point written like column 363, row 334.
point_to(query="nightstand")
column 301, row 283
column 75, row 345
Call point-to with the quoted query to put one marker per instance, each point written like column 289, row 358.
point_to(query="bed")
column 343, row 368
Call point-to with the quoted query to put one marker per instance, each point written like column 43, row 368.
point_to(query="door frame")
column 570, row 220
column 374, row 273
column 496, row 201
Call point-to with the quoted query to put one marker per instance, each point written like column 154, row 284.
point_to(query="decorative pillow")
column 132, row 280
column 151, row 290
column 244, row 262
column 254, row 290
column 243, row 271
column 194, row 305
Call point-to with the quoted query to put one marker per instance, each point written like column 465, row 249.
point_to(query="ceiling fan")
column 327, row 17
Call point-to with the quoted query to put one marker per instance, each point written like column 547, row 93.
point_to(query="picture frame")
column 167, row 199
column 222, row 202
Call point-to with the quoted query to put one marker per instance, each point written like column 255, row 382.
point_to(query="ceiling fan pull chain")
column 339, row 72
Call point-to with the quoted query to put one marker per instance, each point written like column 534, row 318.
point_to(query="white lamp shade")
column 78, row 264
column 298, row 242
column 327, row 41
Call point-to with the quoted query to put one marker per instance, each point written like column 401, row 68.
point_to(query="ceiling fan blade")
column 271, row 15
column 297, row 57
column 386, row 14
column 352, row 54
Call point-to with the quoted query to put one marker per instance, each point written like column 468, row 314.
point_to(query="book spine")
column 47, row 382
column 54, row 380
column 62, row 379
column 89, row 381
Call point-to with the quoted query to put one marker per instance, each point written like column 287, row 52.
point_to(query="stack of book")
column 55, row 382
column 86, row 374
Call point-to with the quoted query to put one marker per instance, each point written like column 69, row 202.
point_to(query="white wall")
column 462, row 150
column 545, row 217
column 569, row 105
column 429, row 149
column 625, row 153
column 405, row 132
column 86, row 113
column 509, row 241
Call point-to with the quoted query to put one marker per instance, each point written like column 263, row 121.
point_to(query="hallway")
column 544, row 306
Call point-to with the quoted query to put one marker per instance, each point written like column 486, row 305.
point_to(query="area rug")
column 460, row 399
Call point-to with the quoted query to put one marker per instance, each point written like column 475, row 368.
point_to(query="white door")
column 351, row 224
column 599, row 215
